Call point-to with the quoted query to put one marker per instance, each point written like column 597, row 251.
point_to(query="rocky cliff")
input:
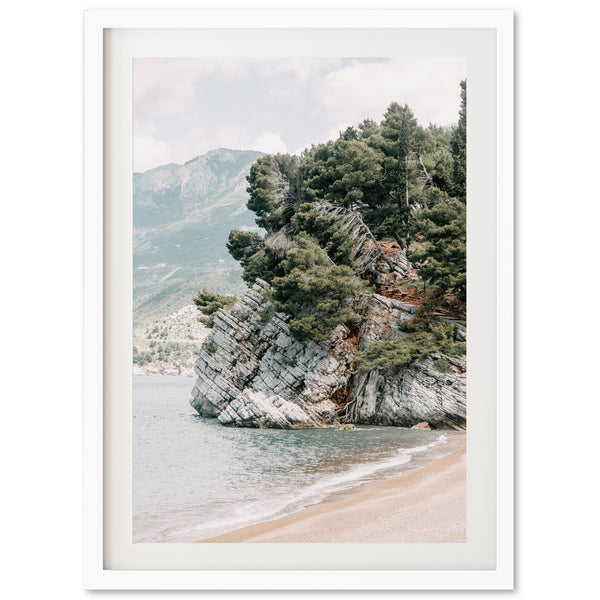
column 253, row 373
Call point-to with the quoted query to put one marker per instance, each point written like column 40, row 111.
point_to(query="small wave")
column 260, row 511
column 293, row 499
column 249, row 514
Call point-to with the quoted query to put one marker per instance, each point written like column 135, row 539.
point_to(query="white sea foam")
column 263, row 510
column 195, row 479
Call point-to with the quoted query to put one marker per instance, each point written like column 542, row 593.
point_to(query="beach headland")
column 426, row 505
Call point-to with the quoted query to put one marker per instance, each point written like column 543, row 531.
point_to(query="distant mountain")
column 182, row 216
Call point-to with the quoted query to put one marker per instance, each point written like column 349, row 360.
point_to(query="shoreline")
column 165, row 370
column 425, row 505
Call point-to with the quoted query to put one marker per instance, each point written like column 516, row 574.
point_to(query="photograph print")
column 299, row 300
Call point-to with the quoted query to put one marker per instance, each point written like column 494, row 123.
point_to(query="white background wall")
column 41, row 299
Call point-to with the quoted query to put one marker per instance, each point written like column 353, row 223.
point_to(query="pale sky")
column 184, row 107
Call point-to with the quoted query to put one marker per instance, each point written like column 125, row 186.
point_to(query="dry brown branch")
column 279, row 242
column 366, row 250
column 426, row 181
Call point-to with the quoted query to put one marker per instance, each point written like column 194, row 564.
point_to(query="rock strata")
column 252, row 373
column 414, row 394
column 257, row 409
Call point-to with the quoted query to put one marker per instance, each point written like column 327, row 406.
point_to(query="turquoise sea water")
column 194, row 478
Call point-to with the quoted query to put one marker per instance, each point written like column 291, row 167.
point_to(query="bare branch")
column 426, row 181
column 366, row 251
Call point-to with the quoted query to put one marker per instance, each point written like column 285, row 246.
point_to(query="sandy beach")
column 427, row 505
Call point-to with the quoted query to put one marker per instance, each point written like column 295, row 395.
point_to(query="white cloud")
column 297, row 70
column 430, row 87
column 331, row 133
column 292, row 70
column 269, row 142
column 164, row 86
column 167, row 86
column 150, row 152
column 181, row 105
column 230, row 136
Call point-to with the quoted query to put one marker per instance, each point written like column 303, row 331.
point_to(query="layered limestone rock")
column 253, row 373
column 257, row 409
column 418, row 393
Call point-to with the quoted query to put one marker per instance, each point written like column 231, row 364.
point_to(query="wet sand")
column 427, row 505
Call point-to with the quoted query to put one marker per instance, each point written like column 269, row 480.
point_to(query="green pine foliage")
column 249, row 249
column 346, row 172
column 273, row 189
column 407, row 182
column 401, row 136
column 330, row 235
column 243, row 244
column 440, row 252
column 394, row 354
column 209, row 303
column 402, row 351
column 442, row 365
column 458, row 146
column 315, row 293
column 264, row 265
column 437, row 157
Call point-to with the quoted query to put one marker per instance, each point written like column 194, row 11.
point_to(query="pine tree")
column 209, row 303
column 274, row 189
column 437, row 157
column 314, row 292
column 354, row 171
column 243, row 244
column 458, row 146
column 401, row 136
column 440, row 251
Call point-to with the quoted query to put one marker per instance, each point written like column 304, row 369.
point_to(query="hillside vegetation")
column 169, row 346
column 331, row 215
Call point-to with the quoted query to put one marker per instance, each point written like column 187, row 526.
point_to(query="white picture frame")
column 104, row 431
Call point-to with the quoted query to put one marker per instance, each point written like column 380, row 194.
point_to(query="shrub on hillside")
column 403, row 351
column 317, row 294
column 209, row 303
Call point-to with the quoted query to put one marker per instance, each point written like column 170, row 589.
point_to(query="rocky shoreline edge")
column 252, row 373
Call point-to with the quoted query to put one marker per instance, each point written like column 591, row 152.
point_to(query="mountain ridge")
column 182, row 216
